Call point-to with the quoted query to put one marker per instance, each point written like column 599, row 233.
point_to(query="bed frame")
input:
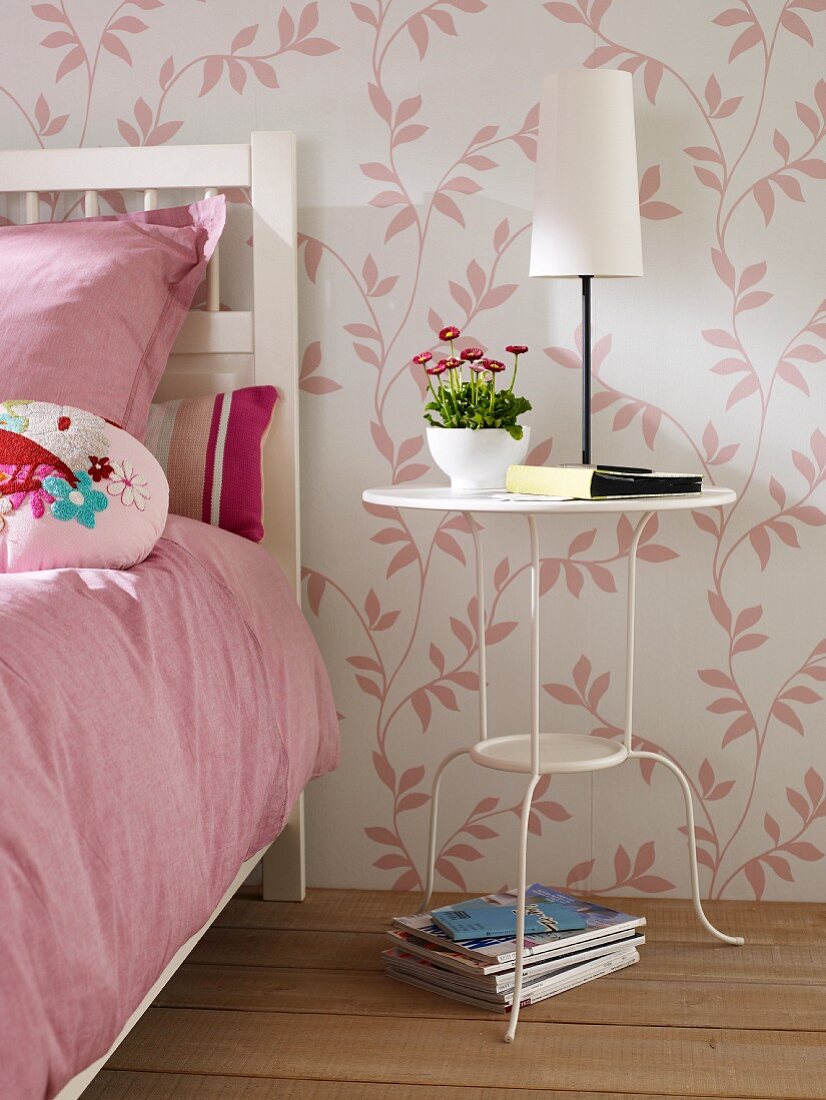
column 216, row 350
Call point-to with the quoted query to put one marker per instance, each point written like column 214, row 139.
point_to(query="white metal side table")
column 536, row 754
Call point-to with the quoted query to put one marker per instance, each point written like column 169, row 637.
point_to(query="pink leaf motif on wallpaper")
column 750, row 37
column 756, row 877
column 128, row 132
column 795, row 25
column 113, row 45
column 753, row 300
column 389, row 862
column 403, row 220
column 308, row 380
column 808, row 117
column 449, row 871
column 445, row 205
column 166, row 73
column 313, row 251
column 708, row 179
column 720, row 338
column 316, row 585
column 462, row 632
column 652, row 75
column 376, row 171
column 716, row 456
column 791, row 374
column 744, row 388
column 422, row 707
column 128, row 24
column 539, row 455
column 565, row 358
column 724, row 267
column 380, row 835
column 565, row 13
column 72, row 60
column 49, row 13
column 48, row 126
column 244, row 37
column 213, row 68
column 380, row 103
column 626, row 875
column 579, row 872
column 649, row 186
column 448, row 545
column 731, row 17
column 602, row 55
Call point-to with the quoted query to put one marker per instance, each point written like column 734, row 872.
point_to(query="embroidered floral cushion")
column 75, row 491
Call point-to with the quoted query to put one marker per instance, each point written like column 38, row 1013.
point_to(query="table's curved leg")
column 434, row 813
column 480, row 625
column 520, row 912
column 692, row 844
column 535, row 776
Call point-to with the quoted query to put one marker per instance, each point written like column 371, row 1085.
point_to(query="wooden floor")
column 288, row 1001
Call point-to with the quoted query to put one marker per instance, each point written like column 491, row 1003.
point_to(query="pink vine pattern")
column 405, row 674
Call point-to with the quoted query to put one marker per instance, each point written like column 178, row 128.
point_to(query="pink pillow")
column 210, row 449
column 89, row 309
column 74, row 491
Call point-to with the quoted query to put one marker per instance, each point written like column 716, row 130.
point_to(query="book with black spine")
column 599, row 482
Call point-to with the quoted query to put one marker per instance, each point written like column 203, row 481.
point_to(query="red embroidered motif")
column 99, row 470
column 19, row 451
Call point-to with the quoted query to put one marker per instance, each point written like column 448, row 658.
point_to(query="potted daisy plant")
column 474, row 432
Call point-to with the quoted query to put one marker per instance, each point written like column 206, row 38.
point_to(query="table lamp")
column 586, row 221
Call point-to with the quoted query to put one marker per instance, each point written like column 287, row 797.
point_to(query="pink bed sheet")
column 157, row 726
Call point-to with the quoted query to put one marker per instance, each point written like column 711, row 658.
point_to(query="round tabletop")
column 441, row 498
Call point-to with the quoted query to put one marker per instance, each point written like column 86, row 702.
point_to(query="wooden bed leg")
column 283, row 863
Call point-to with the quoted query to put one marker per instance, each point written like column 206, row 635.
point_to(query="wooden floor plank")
column 706, row 961
column 614, row 1000
column 128, row 1085
column 669, row 919
column 683, row 1062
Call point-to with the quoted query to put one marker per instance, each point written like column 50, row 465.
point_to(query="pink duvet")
column 157, row 725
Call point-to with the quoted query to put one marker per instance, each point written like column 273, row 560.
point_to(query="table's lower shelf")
column 558, row 752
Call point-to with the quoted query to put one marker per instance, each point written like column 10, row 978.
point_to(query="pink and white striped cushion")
column 210, row 449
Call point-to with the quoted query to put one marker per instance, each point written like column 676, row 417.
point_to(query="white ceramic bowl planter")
column 476, row 459
column 470, row 417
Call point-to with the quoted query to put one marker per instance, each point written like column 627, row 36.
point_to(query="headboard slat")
column 158, row 166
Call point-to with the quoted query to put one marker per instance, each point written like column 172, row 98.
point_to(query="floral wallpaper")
column 416, row 125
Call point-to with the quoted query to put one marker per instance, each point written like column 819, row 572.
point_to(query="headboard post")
column 275, row 335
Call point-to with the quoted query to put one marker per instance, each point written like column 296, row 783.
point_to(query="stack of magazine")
column 481, row 972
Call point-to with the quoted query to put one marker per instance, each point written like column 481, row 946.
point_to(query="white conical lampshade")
column 586, row 215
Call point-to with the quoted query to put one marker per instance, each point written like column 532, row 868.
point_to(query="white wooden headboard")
column 216, row 350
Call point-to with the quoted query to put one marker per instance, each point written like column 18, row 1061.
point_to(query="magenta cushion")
column 89, row 309
column 210, row 449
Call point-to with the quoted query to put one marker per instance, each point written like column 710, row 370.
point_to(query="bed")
column 121, row 840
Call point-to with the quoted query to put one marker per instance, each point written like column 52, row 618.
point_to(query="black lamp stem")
column 586, row 370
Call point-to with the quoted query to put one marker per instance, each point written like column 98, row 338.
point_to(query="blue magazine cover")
column 471, row 922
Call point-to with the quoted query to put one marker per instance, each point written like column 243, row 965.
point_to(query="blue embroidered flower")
column 11, row 423
column 79, row 503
